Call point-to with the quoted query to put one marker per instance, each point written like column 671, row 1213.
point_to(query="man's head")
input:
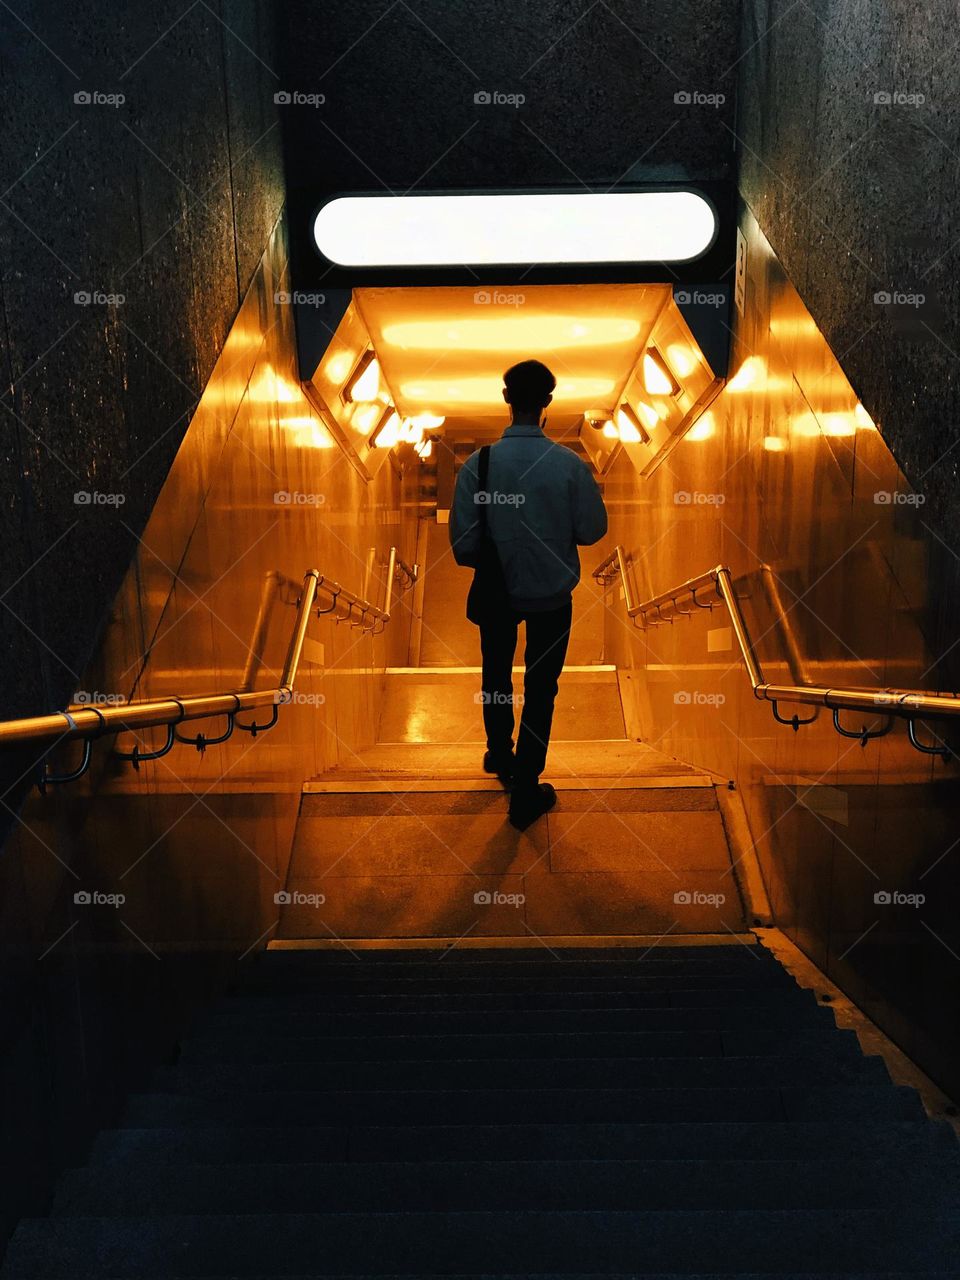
column 528, row 388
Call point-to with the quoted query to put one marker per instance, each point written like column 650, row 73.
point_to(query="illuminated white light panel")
column 478, row 230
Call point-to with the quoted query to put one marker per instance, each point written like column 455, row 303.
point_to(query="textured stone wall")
column 848, row 137
column 129, row 231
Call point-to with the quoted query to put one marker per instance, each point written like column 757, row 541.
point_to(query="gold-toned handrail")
column 148, row 713
column 909, row 703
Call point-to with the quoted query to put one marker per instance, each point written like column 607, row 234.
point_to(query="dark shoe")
column 501, row 765
column 531, row 803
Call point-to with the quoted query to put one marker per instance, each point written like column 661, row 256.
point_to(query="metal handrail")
column 148, row 713
column 909, row 703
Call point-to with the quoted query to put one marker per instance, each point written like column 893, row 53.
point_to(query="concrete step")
column 488, row 1185
column 555, row 1021
column 296, row 1043
column 724, row 1241
column 866, row 1139
column 282, row 1077
column 440, row 706
column 748, row 997
column 525, row 1106
column 293, row 987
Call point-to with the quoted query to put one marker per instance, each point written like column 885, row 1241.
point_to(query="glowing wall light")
column 389, row 433
column 628, row 426
column 774, row 444
column 365, row 381
column 609, row 430
column 657, row 378
column 457, row 230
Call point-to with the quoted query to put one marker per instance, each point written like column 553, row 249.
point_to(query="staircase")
column 674, row 1111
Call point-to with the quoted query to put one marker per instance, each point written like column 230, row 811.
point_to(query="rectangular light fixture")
column 657, row 377
column 513, row 228
column 364, row 382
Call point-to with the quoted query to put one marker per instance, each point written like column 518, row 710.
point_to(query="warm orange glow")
column 307, row 433
column 338, row 367
column 366, row 416
column 682, row 359
column 610, row 430
column 863, row 419
column 749, row 375
column 365, row 384
column 628, row 428
column 498, row 332
column 389, row 433
column 428, row 421
column 648, row 414
column 703, row 428
column 774, row 444
column 657, row 378
column 488, row 390
column 839, row 424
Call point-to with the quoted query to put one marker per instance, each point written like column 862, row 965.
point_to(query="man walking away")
column 521, row 508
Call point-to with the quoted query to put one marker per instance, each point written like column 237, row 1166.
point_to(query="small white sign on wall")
column 740, row 274
column 719, row 640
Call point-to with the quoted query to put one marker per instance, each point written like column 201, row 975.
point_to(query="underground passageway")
column 324, row 327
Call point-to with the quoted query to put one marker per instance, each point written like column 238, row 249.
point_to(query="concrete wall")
column 847, row 138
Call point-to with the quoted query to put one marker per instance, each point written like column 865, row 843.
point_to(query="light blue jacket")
column 544, row 503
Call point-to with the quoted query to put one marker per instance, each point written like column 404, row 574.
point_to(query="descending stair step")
column 559, row 1020
column 264, row 985
column 723, row 1241
column 464, row 1186
column 283, row 1077
column 511, row 957
column 868, row 1139
column 283, row 966
column 526, row 1106
column 296, row 1043
column 746, row 997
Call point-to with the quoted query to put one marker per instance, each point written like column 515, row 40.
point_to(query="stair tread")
column 867, row 1138
column 438, row 1106
column 684, row 1240
column 466, row 1185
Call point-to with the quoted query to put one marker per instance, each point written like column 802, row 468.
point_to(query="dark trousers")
column 543, row 655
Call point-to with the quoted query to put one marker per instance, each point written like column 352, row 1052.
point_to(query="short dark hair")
column 529, row 385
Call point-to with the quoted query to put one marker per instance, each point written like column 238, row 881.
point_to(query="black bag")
column 488, row 592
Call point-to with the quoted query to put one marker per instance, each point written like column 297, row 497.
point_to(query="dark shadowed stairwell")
column 674, row 1111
